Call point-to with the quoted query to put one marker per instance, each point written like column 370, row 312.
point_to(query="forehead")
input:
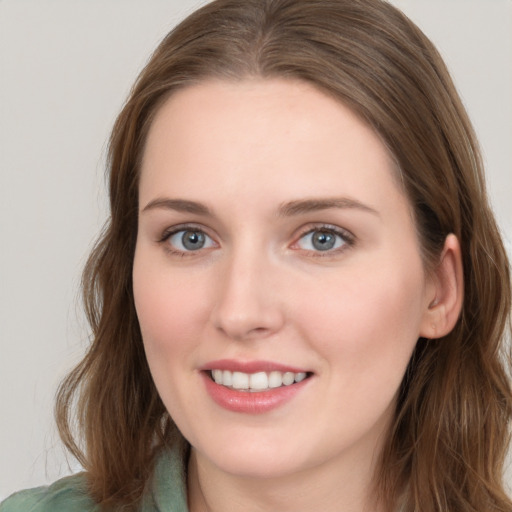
column 256, row 105
column 269, row 136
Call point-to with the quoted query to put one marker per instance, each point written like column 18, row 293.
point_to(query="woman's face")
column 275, row 246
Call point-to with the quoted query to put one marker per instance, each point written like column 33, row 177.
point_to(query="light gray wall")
column 65, row 68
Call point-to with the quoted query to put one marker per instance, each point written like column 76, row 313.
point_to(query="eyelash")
column 177, row 229
column 347, row 238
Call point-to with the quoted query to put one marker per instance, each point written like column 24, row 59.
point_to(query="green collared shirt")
column 167, row 492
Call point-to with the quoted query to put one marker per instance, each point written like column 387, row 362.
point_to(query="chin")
column 257, row 458
column 262, row 465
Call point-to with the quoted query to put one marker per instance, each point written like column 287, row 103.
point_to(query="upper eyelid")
column 299, row 233
column 189, row 226
column 310, row 228
column 173, row 230
column 347, row 236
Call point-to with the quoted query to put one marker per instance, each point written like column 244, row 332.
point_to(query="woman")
column 301, row 297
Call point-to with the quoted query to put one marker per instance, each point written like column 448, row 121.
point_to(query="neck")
column 330, row 488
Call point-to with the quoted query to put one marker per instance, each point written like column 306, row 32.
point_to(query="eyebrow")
column 180, row 205
column 289, row 209
column 302, row 206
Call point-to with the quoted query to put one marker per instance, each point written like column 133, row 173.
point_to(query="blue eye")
column 322, row 240
column 187, row 240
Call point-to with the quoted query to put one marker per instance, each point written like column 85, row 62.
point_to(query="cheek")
column 168, row 308
column 367, row 324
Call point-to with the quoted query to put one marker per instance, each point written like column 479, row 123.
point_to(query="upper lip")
column 250, row 366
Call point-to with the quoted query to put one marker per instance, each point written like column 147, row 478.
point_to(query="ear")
column 445, row 292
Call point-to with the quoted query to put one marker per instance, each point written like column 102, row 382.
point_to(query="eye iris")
column 193, row 240
column 323, row 240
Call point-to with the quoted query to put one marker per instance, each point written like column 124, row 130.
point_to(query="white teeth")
column 288, row 378
column 227, row 378
column 240, row 380
column 275, row 380
column 300, row 376
column 259, row 381
column 217, row 376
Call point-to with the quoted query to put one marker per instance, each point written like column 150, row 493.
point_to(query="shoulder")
column 167, row 490
column 68, row 494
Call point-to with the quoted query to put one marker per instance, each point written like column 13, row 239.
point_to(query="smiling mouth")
column 254, row 382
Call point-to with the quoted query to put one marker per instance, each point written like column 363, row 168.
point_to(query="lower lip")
column 251, row 402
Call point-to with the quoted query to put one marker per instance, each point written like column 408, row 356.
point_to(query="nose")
column 247, row 305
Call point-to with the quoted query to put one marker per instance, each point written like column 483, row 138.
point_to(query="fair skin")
column 273, row 236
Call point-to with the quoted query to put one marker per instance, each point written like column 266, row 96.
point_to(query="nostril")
column 246, row 327
column 259, row 330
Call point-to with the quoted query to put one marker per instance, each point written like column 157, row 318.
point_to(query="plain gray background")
column 66, row 67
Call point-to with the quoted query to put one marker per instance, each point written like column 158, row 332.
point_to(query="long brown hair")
column 446, row 449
